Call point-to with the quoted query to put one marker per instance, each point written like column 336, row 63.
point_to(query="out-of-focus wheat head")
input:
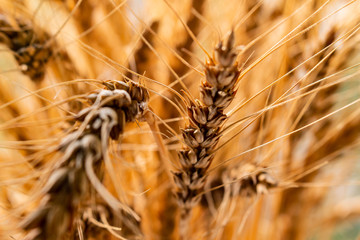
column 250, row 130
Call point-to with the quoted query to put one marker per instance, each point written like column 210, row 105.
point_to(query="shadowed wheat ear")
column 245, row 180
column 29, row 46
column 203, row 132
column 80, row 168
column 249, row 180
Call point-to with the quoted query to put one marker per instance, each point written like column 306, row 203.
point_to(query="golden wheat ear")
column 246, row 180
column 80, row 168
column 202, row 134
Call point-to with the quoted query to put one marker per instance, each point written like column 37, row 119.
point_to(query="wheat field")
column 179, row 119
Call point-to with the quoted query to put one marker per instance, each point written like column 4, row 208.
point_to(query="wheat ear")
column 30, row 48
column 203, row 132
column 83, row 151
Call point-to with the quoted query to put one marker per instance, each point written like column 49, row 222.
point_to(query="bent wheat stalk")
column 81, row 164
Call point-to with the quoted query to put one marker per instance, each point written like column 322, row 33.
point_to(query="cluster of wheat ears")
column 179, row 119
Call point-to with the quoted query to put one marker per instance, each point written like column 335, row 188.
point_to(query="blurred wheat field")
column 169, row 119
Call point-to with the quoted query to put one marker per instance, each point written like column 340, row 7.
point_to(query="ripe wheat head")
column 179, row 119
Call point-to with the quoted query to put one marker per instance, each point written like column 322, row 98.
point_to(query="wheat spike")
column 30, row 47
column 206, row 117
column 83, row 151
